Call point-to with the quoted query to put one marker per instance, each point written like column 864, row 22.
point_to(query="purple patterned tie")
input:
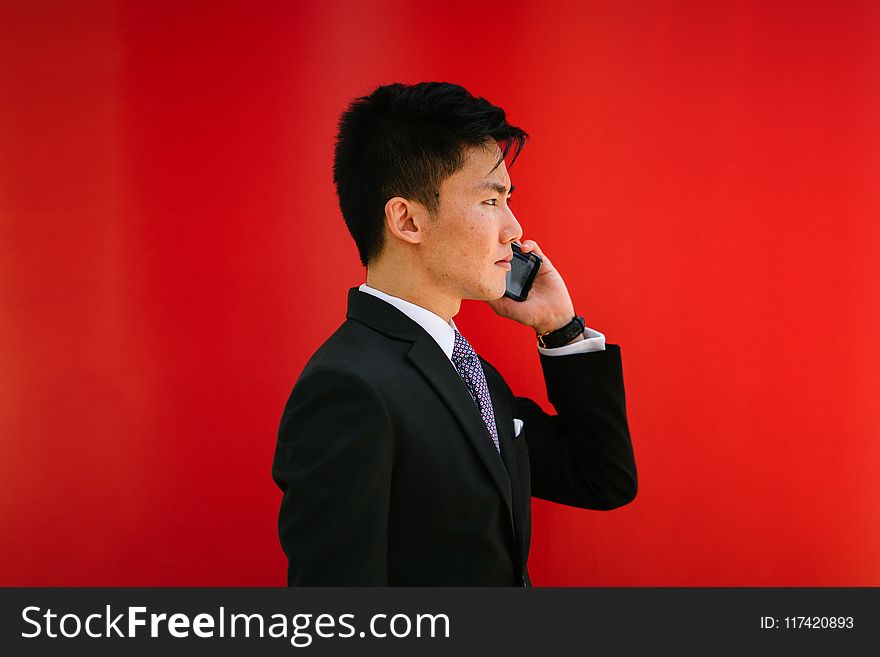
column 468, row 365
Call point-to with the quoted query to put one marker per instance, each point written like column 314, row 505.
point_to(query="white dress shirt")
column 443, row 332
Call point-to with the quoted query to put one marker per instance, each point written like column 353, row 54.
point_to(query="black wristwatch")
column 561, row 337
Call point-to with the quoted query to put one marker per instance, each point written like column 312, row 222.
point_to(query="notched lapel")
column 427, row 356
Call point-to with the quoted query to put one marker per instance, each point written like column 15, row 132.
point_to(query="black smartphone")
column 523, row 269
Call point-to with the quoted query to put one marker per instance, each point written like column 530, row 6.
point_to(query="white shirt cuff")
column 593, row 341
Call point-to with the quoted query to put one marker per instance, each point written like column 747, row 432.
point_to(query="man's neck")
column 409, row 288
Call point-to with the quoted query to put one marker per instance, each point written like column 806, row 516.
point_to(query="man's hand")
column 548, row 306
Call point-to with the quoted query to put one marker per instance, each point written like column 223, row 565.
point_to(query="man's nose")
column 513, row 231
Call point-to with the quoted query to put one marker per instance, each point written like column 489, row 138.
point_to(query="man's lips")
column 505, row 263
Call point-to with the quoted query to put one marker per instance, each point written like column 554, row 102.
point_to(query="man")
column 404, row 458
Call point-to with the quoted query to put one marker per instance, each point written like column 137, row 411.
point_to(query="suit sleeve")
column 333, row 464
column 582, row 456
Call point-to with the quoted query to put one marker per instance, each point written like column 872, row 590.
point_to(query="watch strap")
column 562, row 336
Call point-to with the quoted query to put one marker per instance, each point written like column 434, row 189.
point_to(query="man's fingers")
column 531, row 245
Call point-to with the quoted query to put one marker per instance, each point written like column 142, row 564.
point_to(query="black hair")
column 405, row 140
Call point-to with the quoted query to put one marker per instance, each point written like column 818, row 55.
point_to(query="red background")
column 704, row 175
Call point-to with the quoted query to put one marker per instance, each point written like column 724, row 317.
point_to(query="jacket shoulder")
column 357, row 349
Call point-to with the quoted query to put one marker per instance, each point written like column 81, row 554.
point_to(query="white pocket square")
column 517, row 426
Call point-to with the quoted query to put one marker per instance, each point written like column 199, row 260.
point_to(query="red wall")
column 703, row 174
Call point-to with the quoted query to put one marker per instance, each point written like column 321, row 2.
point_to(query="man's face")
column 473, row 229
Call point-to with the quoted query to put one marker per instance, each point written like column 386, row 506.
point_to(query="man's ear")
column 404, row 218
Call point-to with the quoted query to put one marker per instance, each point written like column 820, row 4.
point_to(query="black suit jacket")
column 390, row 477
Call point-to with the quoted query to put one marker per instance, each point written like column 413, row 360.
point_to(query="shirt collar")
column 437, row 327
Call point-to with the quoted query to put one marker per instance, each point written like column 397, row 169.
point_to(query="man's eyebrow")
column 498, row 187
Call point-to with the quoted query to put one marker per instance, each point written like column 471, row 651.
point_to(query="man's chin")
column 497, row 293
column 492, row 291
column 487, row 295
